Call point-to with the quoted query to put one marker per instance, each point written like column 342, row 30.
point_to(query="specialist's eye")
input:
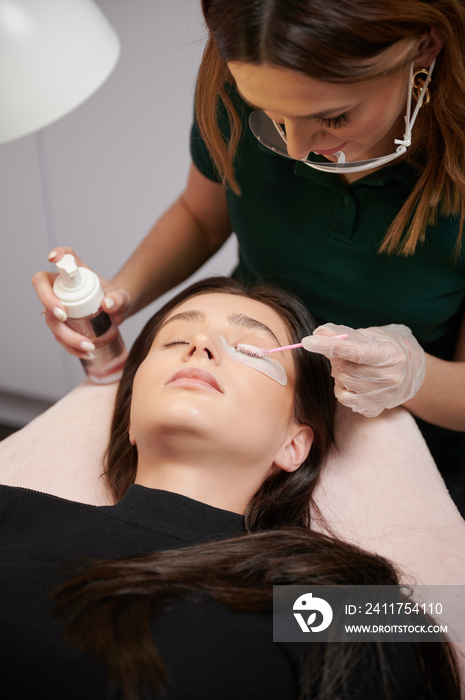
column 335, row 122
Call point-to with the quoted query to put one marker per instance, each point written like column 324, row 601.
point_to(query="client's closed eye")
column 176, row 341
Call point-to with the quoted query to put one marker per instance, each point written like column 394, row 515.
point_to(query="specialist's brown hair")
column 283, row 499
column 347, row 41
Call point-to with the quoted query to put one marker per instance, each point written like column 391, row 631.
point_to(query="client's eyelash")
column 335, row 122
column 176, row 341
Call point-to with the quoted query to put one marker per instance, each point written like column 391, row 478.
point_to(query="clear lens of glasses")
column 271, row 135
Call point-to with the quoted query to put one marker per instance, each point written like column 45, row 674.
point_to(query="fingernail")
column 59, row 313
column 109, row 302
column 87, row 346
column 52, row 254
column 89, row 356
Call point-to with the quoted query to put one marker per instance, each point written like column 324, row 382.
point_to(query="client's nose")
column 205, row 346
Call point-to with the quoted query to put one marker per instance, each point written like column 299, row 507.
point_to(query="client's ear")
column 131, row 437
column 295, row 450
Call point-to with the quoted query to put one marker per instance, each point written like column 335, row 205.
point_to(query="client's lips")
column 195, row 373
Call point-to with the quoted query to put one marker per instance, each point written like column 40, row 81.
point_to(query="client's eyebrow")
column 243, row 321
column 184, row 316
column 237, row 320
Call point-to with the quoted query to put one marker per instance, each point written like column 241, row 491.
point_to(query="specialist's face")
column 189, row 386
column 362, row 119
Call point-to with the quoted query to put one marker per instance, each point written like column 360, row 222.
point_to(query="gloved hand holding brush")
column 373, row 368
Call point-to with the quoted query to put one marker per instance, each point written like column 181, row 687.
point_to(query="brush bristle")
column 252, row 350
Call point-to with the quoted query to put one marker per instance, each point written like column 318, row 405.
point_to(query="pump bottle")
column 81, row 293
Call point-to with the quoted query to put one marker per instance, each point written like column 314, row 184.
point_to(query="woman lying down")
column 213, row 459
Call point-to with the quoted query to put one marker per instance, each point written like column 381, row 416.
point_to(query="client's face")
column 191, row 393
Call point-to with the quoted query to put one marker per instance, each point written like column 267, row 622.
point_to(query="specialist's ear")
column 295, row 450
column 429, row 48
column 131, row 437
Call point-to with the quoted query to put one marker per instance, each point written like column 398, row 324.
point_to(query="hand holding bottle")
column 115, row 303
column 81, row 293
column 373, row 368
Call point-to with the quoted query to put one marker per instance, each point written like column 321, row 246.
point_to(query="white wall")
column 96, row 180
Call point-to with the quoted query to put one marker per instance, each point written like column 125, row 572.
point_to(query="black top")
column 209, row 652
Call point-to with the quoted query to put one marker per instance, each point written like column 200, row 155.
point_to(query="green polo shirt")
column 308, row 232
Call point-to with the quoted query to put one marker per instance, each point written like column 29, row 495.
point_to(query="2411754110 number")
column 399, row 608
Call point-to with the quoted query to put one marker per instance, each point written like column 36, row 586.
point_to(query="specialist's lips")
column 331, row 151
column 193, row 375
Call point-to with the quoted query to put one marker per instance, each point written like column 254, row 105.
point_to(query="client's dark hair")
column 283, row 499
column 109, row 609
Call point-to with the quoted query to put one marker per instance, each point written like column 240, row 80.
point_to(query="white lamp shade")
column 54, row 54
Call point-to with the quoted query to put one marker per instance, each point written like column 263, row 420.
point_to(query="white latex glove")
column 373, row 368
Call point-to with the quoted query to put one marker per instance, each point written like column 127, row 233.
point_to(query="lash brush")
column 254, row 351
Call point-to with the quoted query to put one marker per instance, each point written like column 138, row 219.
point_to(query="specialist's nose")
column 301, row 138
column 205, row 346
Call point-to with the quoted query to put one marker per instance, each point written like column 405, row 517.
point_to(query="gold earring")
column 417, row 85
